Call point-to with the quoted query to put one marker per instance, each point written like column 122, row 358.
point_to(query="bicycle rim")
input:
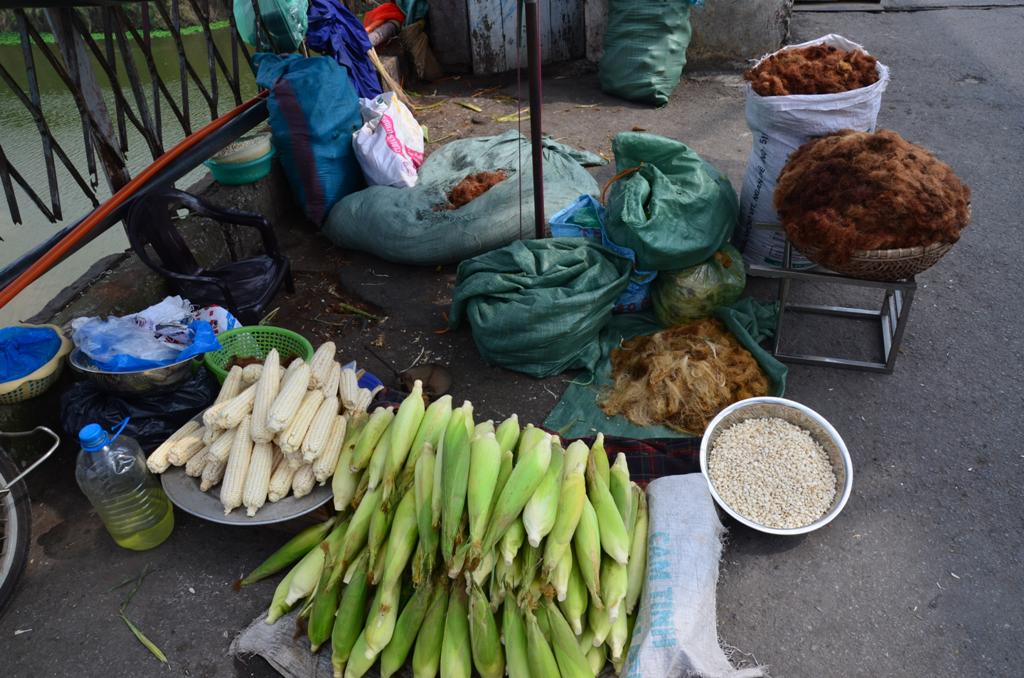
column 9, row 536
column 14, row 531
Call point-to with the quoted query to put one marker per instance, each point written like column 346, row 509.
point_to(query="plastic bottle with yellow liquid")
column 112, row 473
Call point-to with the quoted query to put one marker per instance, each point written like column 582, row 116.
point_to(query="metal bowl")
column 800, row 415
column 139, row 381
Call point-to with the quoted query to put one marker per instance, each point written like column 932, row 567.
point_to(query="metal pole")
column 533, row 56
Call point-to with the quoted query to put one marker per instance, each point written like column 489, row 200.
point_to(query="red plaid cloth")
column 654, row 457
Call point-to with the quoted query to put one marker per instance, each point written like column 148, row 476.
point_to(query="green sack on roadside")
column 675, row 211
column 412, row 225
column 645, row 49
column 538, row 306
column 692, row 293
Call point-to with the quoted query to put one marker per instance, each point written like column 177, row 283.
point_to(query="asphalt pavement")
column 920, row 575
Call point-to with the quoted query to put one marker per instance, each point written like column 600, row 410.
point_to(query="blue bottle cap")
column 92, row 437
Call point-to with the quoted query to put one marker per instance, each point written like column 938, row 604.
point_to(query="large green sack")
column 577, row 414
column 538, row 306
column 404, row 225
column 675, row 211
column 645, row 49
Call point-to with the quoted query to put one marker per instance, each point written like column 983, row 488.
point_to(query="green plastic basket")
column 256, row 342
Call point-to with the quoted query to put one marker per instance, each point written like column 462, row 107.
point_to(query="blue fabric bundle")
column 23, row 350
column 336, row 32
column 313, row 112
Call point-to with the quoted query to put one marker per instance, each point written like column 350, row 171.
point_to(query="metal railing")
column 158, row 113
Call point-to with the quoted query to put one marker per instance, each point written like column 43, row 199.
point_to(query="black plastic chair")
column 243, row 286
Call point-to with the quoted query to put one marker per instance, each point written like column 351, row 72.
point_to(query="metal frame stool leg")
column 892, row 316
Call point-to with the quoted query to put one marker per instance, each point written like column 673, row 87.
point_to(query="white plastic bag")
column 781, row 124
column 389, row 145
column 676, row 626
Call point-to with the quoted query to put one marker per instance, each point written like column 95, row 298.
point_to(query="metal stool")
column 892, row 316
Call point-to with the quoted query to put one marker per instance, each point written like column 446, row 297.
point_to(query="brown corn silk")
column 853, row 191
column 816, row 69
column 681, row 377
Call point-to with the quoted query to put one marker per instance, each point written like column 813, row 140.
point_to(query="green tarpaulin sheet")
column 577, row 413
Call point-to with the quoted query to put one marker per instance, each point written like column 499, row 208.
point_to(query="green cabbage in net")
column 689, row 294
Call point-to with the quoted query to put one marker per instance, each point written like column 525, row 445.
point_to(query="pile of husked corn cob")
column 500, row 551
column 270, row 432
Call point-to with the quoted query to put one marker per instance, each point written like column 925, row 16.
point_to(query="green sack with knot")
column 692, row 293
column 644, row 49
column 674, row 210
column 538, row 306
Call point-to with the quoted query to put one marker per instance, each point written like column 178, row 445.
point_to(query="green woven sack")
column 645, row 49
column 675, row 211
column 404, row 225
column 538, row 306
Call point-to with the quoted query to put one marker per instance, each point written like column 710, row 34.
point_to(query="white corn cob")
column 348, row 388
column 281, row 481
column 293, row 364
column 184, row 448
column 320, row 364
column 257, row 480
column 266, row 392
column 288, row 399
column 325, row 464
column 235, row 409
column 210, row 434
column 237, row 468
column 366, row 397
column 194, row 466
column 221, row 447
column 319, row 429
column 330, row 388
column 212, row 473
column 232, row 385
column 211, row 414
column 362, row 401
column 252, row 373
column 302, row 481
column 158, row 461
column 295, row 433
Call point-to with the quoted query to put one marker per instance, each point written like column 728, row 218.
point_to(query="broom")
column 389, row 82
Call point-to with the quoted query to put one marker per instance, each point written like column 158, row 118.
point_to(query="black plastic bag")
column 154, row 416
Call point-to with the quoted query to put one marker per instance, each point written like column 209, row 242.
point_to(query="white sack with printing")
column 676, row 628
column 781, row 124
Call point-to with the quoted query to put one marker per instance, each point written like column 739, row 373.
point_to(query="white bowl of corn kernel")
column 776, row 466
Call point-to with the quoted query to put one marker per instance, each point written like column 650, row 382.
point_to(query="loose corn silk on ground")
column 772, row 472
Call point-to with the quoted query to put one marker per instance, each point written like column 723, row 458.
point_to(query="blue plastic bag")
column 585, row 219
column 113, row 347
column 313, row 112
column 23, row 350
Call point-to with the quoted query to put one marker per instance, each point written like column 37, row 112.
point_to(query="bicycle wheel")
column 15, row 526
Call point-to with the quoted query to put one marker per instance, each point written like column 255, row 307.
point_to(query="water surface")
column 22, row 144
